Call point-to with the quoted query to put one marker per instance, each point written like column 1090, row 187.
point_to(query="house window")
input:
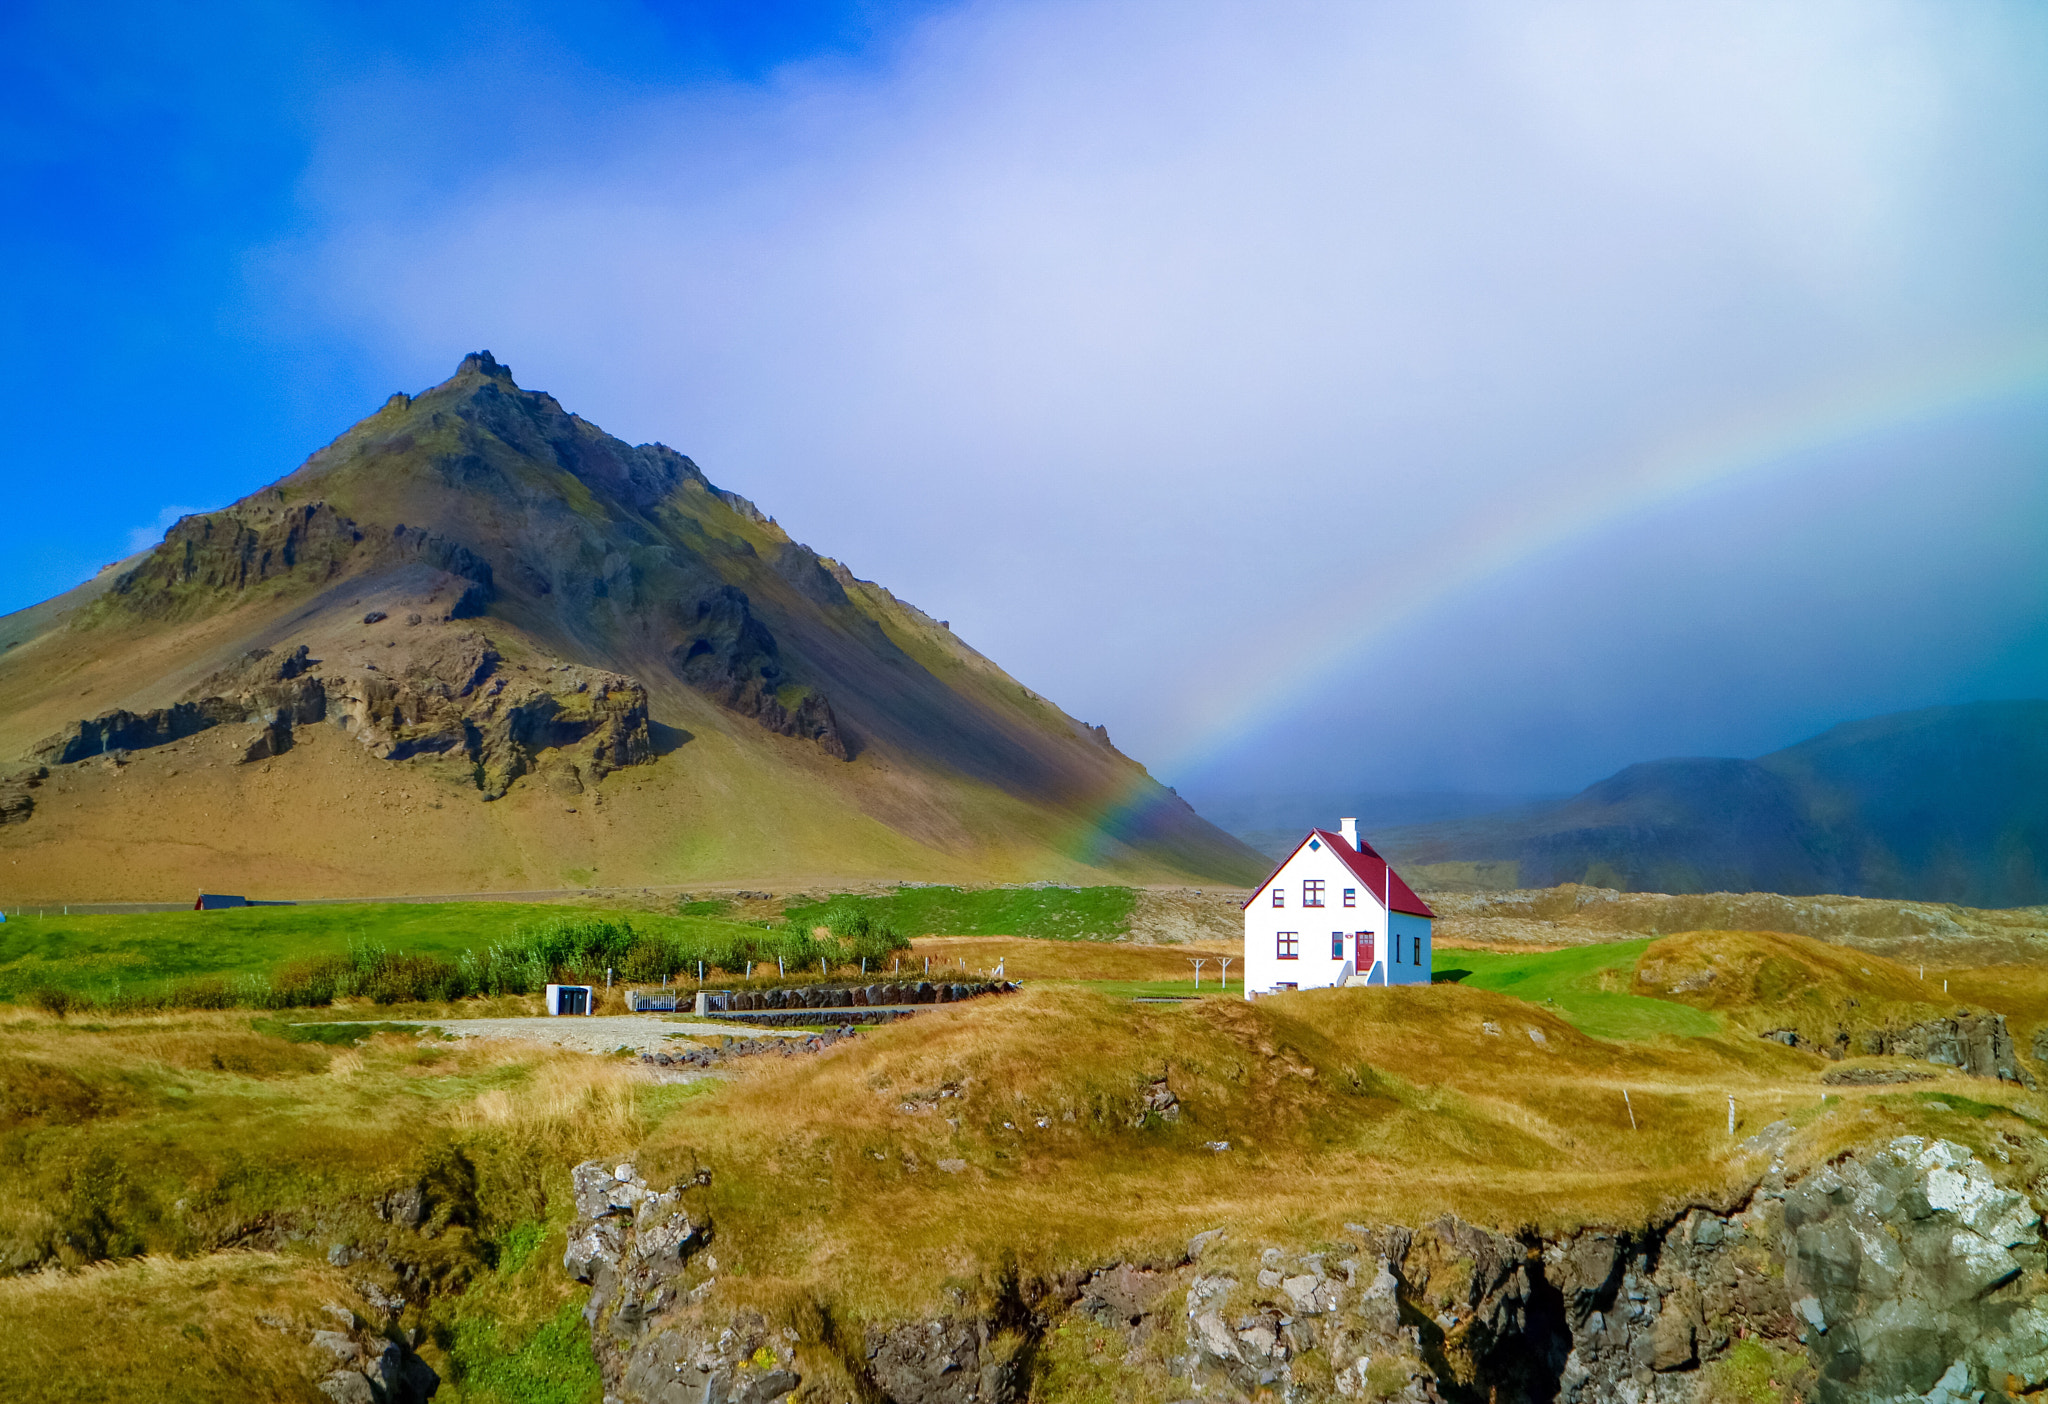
column 1312, row 893
column 1336, row 945
column 1395, row 943
column 1350, row 896
column 1279, row 897
column 1418, row 950
column 1288, row 945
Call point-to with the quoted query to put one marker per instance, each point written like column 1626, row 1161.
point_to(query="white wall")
column 1313, row 967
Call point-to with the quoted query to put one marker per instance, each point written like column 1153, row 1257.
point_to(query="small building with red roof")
column 1334, row 913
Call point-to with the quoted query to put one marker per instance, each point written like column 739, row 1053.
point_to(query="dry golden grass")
column 1764, row 971
column 568, row 1096
column 1337, row 1105
column 161, row 1329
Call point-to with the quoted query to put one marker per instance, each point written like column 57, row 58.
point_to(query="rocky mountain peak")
column 483, row 363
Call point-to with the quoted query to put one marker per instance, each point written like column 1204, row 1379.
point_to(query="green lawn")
column 1570, row 981
column 1062, row 913
column 94, row 954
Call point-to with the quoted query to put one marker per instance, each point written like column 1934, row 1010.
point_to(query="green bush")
column 1044, row 910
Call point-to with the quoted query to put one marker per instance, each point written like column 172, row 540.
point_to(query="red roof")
column 1373, row 871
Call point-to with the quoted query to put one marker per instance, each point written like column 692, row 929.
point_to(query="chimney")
column 1348, row 828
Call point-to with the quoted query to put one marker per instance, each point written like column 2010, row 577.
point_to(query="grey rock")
column 1976, row 1043
column 341, row 1347
column 405, row 1206
column 347, row 1387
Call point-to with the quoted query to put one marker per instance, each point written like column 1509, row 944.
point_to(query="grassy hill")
column 1947, row 804
column 478, row 644
column 203, row 1167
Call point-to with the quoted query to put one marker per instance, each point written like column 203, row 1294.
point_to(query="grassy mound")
column 1591, row 987
column 1762, row 980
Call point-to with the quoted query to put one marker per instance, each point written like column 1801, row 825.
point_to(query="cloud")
column 143, row 537
column 1144, row 341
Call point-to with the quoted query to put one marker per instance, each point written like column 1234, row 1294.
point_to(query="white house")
column 1334, row 913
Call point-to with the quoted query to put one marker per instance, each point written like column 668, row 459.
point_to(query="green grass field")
column 1586, row 986
column 102, row 958
column 96, row 955
column 1061, row 913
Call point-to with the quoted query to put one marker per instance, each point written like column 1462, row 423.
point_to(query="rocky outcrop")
column 731, row 657
column 1911, row 1272
column 134, row 731
column 206, row 560
column 1894, row 1274
column 947, row 1360
column 452, row 696
column 805, row 570
column 357, row 1361
column 1976, row 1043
column 1970, row 1041
column 446, row 693
column 633, row 1245
column 369, row 1366
column 274, row 689
column 17, row 793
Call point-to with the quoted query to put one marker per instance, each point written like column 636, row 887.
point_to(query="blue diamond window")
column 1314, row 844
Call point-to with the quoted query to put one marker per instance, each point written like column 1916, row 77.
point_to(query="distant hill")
column 476, row 643
column 1274, row 823
column 1946, row 804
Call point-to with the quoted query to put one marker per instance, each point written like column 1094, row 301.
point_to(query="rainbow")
column 1777, row 439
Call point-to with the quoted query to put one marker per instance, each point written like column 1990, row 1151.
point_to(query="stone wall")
column 878, row 995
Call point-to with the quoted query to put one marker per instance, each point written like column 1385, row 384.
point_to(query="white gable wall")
column 1391, row 946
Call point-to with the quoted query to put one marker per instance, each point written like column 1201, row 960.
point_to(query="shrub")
column 568, row 950
column 54, row 1001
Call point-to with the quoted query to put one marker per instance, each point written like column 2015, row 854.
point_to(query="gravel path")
column 597, row 1033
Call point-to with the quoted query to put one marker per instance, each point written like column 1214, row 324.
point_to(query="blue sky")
column 1371, row 396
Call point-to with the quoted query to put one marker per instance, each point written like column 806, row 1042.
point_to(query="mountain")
column 1946, row 804
column 1274, row 823
column 476, row 643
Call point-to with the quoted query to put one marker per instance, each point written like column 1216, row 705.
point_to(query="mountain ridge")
column 1942, row 804
column 462, row 572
